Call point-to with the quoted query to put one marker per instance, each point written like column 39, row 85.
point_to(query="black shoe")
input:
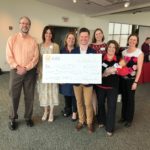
column 12, row 125
column 29, row 123
column 74, row 116
column 121, row 120
column 127, row 124
column 90, row 128
column 79, row 126
column 65, row 114
column 73, row 120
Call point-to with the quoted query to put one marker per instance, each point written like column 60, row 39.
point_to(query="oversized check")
column 72, row 68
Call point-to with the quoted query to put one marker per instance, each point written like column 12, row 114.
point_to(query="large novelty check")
column 72, row 68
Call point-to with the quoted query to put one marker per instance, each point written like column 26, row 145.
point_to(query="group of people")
column 84, row 102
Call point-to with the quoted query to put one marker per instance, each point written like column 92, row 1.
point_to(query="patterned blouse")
column 131, row 60
column 99, row 48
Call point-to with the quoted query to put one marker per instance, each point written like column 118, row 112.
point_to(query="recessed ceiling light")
column 74, row 1
column 127, row 4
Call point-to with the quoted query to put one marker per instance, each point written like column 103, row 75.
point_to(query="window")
column 119, row 32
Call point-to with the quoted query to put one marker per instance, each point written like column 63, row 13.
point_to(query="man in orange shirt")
column 22, row 55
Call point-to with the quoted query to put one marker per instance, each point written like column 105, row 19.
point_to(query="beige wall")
column 41, row 15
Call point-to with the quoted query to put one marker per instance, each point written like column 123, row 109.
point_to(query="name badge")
column 104, row 65
column 102, row 48
column 116, row 65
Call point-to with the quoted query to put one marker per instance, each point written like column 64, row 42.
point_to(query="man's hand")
column 21, row 70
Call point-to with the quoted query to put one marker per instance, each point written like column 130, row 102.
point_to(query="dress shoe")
column 45, row 116
column 74, row 117
column 29, row 123
column 65, row 114
column 79, row 126
column 73, row 120
column 12, row 125
column 101, row 125
column 127, row 124
column 121, row 120
column 90, row 128
column 109, row 133
column 51, row 118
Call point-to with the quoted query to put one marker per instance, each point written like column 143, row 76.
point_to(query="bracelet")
column 135, row 82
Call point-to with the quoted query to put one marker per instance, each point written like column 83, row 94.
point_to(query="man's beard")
column 25, row 30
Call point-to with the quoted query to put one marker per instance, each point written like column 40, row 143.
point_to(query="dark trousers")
column 146, row 58
column 17, row 83
column 70, row 104
column 128, row 100
column 106, row 115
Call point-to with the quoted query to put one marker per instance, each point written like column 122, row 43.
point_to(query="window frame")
column 113, row 34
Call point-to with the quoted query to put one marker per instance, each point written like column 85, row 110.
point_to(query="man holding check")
column 83, row 92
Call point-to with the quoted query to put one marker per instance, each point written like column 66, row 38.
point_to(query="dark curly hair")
column 115, row 43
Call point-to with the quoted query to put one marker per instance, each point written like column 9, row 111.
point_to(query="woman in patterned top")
column 98, row 41
column 134, row 61
column 100, row 47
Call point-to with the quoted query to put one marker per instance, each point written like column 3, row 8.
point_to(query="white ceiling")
column 95, row 8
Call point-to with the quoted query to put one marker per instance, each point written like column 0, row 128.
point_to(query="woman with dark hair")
column 70, row 43
column 48, row 93
column 108, row 90
column 134, row 61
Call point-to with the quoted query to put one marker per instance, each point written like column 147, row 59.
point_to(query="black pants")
column 70, row 105
column 128, row 100
column 146, row 58
column 107, row 116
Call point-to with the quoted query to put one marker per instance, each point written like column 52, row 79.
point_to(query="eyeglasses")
column 23, row 23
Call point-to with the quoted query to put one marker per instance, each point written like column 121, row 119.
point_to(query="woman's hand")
column 109, row 71
column 134, row 86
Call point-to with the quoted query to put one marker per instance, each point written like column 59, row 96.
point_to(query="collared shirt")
column 22, row 51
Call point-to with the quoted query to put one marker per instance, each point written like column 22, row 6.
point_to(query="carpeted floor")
column 61, row 134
